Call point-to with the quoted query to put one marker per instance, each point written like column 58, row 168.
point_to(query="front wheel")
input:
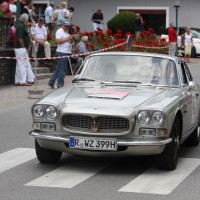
column 46, row 155
column 169, row 157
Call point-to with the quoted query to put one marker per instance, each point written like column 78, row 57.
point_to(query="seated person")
column 39, row 38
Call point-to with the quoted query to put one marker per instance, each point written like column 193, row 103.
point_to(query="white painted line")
column 15, row 157
column 156, row 181
column 68, row 175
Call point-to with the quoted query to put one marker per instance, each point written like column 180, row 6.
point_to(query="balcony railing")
column 5, row 33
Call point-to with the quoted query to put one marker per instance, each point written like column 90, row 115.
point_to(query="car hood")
column 110, row 96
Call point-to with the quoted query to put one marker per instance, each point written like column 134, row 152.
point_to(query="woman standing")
column 188, row 44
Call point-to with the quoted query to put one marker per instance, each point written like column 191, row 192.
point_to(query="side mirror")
column 191, row 85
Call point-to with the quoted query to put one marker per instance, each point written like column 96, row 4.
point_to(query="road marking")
column 15, row 157
column 68, row 175
column 156, row 181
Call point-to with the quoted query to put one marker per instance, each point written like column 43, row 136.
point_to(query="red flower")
column 109, row 32
column 77, row 28
column 119, row 31
column 150, row 29
column 128, row 33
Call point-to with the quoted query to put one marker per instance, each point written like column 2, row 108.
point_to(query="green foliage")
column 2, row 14
column 123, row 21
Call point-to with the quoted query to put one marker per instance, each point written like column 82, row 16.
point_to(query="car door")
column 189, row 102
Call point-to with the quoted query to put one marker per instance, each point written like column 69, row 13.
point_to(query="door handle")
column 197, row 94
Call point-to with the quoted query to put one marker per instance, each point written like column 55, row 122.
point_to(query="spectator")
column 188, row 43
column 54, row 18
column 25, row 9
column 23, row 74
column 39, row 38
column 172, row 39
column 32, row 13
column 97, row 19
column 63, row 13
column 13, row 31
column 13, row 8
column 5, row 8
column 70, row 14
column 138, row 25
column 81, row 47
column 64, row 41
column 49, row 18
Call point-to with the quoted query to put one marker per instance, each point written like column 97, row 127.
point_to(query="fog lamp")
column 48, row 127
column 147, row 132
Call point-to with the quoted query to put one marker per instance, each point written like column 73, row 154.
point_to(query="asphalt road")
column 22, row 177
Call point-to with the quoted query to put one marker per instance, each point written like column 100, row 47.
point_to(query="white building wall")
column 188, row 14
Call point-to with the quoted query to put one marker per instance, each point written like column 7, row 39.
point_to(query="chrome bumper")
column 57, row 138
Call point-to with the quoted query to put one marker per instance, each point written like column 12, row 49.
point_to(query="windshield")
column 130, row 68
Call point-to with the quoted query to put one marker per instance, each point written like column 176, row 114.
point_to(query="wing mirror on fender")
column 191, row 85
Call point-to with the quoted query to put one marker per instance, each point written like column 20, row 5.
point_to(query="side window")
column 184, row 76
column 187, row 71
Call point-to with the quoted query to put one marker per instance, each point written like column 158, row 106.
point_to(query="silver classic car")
column 120, row 104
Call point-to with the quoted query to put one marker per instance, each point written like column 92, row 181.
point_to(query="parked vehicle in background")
column 196, row 42
column 121, row 104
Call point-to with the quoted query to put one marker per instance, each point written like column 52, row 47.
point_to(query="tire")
column 193, row 52
column 168, row 159
column 194, row 138
column 46, row 155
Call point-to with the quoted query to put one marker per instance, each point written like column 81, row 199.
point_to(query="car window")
column 134, row 68
column 186, row 75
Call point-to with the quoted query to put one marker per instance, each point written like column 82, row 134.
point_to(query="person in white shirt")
column 48, row 13
column 188, row 43
column 13, row 8
column 39, row 38
column 64, row 48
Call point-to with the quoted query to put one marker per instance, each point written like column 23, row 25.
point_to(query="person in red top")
column 6, row 8
column 172, row 39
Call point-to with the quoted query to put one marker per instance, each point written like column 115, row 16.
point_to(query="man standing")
column 48, row 13
column 23, row 73
column 138, row 25
column 97, row 19
column 39, row 37
column 64, row 41
column 172, row 39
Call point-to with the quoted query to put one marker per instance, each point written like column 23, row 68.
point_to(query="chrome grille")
column 97, row 124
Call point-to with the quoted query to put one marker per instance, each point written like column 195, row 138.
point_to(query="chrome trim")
column 57, row 138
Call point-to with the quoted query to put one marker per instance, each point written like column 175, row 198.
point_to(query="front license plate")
column 93, row 143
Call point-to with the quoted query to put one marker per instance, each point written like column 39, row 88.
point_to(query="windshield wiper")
column 83, row 79
column 127, row 81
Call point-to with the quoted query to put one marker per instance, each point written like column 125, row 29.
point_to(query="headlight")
column 143, row 117
column 38, row 111
column 52, row 112
column 158, row 118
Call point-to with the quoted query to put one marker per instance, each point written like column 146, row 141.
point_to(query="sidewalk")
column 12, row 95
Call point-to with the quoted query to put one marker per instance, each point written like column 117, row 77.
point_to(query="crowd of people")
column 28, row 35
column 186, row 42
column 31, row 33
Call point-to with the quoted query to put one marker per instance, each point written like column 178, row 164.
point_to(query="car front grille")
column 97, row 124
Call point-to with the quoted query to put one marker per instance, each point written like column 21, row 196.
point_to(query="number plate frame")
column 97, row 144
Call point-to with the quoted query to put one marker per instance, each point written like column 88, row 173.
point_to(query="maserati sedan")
column 120, row 104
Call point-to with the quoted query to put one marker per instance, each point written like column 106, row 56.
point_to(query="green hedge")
column 123, row 21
